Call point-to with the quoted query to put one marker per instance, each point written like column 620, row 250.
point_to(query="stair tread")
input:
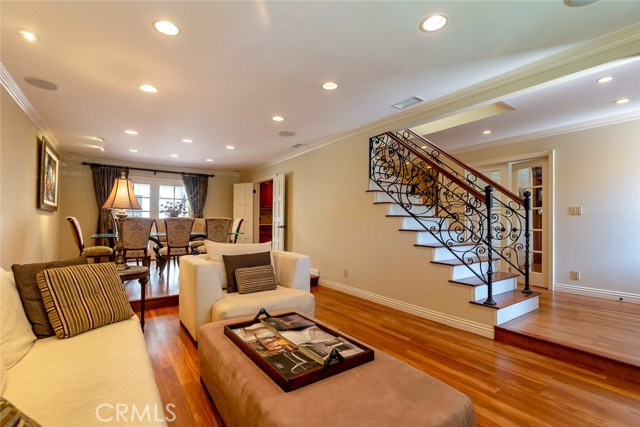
column 475, row 281
column 435, row 218
column 508, row 298
column 456, row 261
column 440, row 245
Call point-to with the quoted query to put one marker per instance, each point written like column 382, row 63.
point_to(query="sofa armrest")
column 292, row 270
column 200, row 287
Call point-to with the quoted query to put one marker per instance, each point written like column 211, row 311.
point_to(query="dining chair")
column 199, row 226
column 235, row 229
column 97, row 253
column 135, row 239
column 217, row 228
column 178, row 236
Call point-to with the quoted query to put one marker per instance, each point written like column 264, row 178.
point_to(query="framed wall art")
column 49, row 182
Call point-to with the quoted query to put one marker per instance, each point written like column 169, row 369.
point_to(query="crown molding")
column 617, row 45
column 14, row 91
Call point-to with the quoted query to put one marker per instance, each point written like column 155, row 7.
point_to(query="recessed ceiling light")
column 187, row 140
column 130, row 132
column 28, row 35
column 623, row 100
column 167, row 28
column 434, row 22
column 578, row 3
column 230, row 147
column 486, row 132
column 605, row 79
column 148, row 88
column 209, row 160
column 287, row 133
column 277, row 118
column 173, row 155
column 329, row 86
column 133, row 150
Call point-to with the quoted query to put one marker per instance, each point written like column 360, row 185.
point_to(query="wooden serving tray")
column 296, row 381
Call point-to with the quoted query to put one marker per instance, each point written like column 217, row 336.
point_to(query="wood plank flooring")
column 509, row 386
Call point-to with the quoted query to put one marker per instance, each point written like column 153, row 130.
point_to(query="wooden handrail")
column 475, row 193
column 494, row 184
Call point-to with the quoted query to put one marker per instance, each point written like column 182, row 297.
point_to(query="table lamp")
column 122, row 197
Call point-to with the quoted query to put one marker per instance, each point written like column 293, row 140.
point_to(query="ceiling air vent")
column 408, row 102
column 296, row 145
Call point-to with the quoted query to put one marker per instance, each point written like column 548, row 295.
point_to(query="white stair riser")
column 386, row 198
column 499, row 287
column 410, row 223
column 396, row 209
column 462, row 271
column 505, row 314
column 445, row 253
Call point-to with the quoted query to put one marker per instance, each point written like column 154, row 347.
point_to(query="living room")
column 332, row 218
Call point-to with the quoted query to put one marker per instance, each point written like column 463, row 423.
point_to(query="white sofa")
column 102, row 377
column 203, row 295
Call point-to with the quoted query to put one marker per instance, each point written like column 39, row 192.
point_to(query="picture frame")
column 49, row 177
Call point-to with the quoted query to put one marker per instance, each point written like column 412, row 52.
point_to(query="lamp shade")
column 122, row 195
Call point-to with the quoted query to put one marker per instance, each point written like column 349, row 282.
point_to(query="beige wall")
column 27, row 234
column 598, row 170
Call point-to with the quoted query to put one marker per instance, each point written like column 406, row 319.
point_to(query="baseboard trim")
column 598, row 293
column 445, row 319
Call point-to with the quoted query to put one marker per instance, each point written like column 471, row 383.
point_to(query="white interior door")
column 279, row 224
column 243, row 208
column 532, row 176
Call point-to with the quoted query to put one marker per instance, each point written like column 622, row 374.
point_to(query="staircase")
column 476, row 228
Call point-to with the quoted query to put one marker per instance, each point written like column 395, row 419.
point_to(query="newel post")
column 527, row 237
column 488, row 201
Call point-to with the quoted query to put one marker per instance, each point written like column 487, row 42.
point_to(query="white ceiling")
column 238, row 63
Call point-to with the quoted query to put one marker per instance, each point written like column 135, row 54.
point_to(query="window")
column 170, row 196
column 152, row 193
column 143, row 194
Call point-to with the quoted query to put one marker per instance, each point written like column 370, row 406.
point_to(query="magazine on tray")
column 290, row 322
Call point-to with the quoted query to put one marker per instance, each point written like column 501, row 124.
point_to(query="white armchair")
column 204, row 299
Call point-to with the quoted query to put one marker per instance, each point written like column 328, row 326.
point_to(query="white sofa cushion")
column 16, row 336
column 282, row 298
column 80, row 381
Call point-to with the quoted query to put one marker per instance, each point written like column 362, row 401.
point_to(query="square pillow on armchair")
column 233, row 262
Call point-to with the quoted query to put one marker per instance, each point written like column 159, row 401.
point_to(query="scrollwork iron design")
column 449, row 202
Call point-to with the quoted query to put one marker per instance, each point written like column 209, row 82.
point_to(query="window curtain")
column 103, row 177
column 196, row 188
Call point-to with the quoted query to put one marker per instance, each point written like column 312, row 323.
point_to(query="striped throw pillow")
column 80, row 298
column 256, row 279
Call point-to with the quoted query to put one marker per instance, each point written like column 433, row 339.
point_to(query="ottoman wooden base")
column 384, row 392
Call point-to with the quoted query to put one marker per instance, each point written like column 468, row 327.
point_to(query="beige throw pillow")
column 16, row 337
column 81, row 298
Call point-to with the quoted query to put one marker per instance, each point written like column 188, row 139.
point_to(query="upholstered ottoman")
column 384, row 392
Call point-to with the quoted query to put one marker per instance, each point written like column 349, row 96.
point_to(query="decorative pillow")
column 216, row 250
column 83, row 297
column 25, row 277
column 232, row 262
column 16, row 337
column 14, row 417
column 256, row 279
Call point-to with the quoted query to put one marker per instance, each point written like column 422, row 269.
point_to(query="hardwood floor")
column 509, row 386
column 599, row 334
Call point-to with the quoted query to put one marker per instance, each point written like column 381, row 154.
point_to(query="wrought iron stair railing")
column 475, row 218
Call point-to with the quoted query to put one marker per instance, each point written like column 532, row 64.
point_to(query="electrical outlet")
column 575, row 210
column 346, row 273
column 575, row 275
